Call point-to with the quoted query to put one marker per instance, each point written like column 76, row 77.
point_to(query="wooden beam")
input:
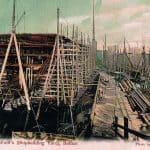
column 22, row 74
column 6, row 57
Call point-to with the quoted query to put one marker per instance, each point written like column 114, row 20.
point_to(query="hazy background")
column 116, row 18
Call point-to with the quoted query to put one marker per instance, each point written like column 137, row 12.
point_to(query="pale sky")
column 115, row 18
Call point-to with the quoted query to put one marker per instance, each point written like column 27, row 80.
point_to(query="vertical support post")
column 67, row 31
column 124, row 54
column 61, row 29
column 20, row 79
column 14, row 17
column 81, row 38
column 126, row 134
column 73, row 32
column 94, row 20
column 82, row 58
column 64, row 31
column 94, row 43
column 149, row 58
column 116, row 123
column 57, row 21
column 58, row 57
column 77, row 33
column 72, row 76
column 31, row 75
column 72, row 120
column 104, row 53
column 89, row 54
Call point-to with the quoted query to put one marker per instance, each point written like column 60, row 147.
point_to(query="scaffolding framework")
column 51, row 66
column 53, row 70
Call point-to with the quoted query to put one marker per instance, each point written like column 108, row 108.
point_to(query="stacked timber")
column 136, row 99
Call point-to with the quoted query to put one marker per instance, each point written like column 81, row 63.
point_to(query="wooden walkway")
column 103, row 110
column 113, row 103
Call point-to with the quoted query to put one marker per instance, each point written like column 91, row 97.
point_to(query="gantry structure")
column 52, row 69
column 37, row 67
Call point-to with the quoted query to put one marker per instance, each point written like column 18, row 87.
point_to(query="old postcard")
column 74, row 74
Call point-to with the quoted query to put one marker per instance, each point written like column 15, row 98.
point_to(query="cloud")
column 74, row 20
column 132, row 25
column 116, row 18
column 147, row 14
column 119, row 18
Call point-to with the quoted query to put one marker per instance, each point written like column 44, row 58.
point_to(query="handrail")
column 128, row 130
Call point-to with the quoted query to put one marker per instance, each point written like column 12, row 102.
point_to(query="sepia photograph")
column 74, row 74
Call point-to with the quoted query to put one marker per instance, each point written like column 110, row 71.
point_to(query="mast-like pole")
column 94, row 43
column 58, row 57
column 94, row 20
column 14, row 17
column 73, row 32
column 105, row 41
column 61, row 29
column 67, row 31
column 104, row 50
column 124, row 44
column 57, row 21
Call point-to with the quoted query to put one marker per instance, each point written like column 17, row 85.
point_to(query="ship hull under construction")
column 55, row 70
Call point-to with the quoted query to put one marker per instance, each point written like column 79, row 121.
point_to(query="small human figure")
column 100, row 94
